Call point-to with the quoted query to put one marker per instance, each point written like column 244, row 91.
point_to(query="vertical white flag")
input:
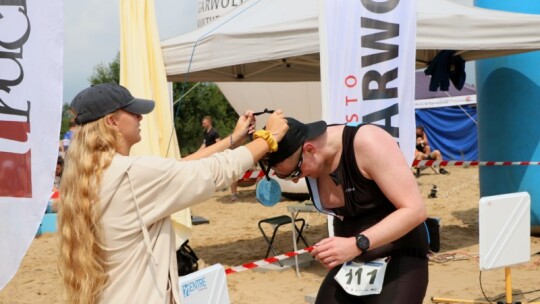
column 31, row 45
column 367, row 65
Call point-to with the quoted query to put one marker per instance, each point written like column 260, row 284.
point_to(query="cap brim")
column 315, row 129
column 140, row 106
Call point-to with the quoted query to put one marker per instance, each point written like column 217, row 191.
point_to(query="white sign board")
column 208, row 285
column 505, row 230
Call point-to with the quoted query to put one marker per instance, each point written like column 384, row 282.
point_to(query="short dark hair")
column 209, row 118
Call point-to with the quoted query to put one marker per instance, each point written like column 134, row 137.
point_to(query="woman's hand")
column 334, row 251
column 244, row 126
column 277, row 125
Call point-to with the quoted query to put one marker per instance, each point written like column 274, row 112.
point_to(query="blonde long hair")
column 82, row 264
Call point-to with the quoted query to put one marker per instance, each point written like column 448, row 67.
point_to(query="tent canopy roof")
column 278, row 40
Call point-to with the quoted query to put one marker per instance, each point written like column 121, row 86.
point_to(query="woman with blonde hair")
column 116, row 239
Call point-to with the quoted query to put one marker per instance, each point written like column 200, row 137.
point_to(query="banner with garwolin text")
column 368, row 65
column 31, row 45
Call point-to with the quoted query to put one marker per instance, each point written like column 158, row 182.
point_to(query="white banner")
column 445, row 102
column 368, row 65
column 31, row 39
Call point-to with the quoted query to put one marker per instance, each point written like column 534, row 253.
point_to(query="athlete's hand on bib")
column 335, row 251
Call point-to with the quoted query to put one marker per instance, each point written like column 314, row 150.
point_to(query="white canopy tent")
column 259, row 51
column 278, row 40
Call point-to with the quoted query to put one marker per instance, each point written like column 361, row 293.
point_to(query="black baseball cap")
column 294, row 138
column 99, row 100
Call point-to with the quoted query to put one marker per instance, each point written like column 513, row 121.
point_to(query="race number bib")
column 361, row 279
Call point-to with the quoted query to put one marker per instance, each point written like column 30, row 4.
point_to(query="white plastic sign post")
column 206, row 286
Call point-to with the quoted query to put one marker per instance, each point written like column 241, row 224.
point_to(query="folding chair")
column 277, row 222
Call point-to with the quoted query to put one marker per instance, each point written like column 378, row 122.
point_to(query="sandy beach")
column 232, row 238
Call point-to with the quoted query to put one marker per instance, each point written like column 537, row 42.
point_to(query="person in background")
column 68, row 136
column 423, row 149
column 52, row 206
column 211, row 135
column 61, row 151
column 363, row 180
column 58, row 171
column 116, row 240
column 234, row 191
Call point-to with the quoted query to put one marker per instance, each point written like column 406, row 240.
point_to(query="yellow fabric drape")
column 142, row 72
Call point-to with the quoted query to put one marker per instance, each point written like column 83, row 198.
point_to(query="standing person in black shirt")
column 358, row 174
column 211, row 135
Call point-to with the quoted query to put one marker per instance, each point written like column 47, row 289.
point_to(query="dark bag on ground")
column 186, row 259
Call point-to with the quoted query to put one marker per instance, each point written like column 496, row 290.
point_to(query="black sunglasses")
column 297, row 171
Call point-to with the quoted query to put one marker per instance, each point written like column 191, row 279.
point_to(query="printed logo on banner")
column 367, row 65
column 15, row 152
column 210, row 10
column 193, row 286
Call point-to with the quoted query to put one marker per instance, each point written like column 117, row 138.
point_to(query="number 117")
column 358, row 273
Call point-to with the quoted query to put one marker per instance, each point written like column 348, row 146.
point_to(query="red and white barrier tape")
column 443, row 163
column 267, row 261
column 430, row 163
column 253, row 174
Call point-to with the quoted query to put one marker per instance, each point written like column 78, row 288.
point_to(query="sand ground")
column 232, row 238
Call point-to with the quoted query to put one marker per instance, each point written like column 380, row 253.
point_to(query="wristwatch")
column 362, row 242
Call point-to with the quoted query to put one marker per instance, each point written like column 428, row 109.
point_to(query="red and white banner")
column 368, row 65
column 31, row 46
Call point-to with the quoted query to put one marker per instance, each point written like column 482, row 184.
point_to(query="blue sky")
column 92, row 35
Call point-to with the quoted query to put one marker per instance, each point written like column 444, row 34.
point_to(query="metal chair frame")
column 277, row 222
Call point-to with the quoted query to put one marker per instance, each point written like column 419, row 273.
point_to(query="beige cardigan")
column 138, row 195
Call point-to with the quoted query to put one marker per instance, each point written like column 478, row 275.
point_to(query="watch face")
column 362, row 242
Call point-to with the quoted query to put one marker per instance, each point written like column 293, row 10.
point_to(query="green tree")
column 203, row 99
column 67, row 117
column 107, row 73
